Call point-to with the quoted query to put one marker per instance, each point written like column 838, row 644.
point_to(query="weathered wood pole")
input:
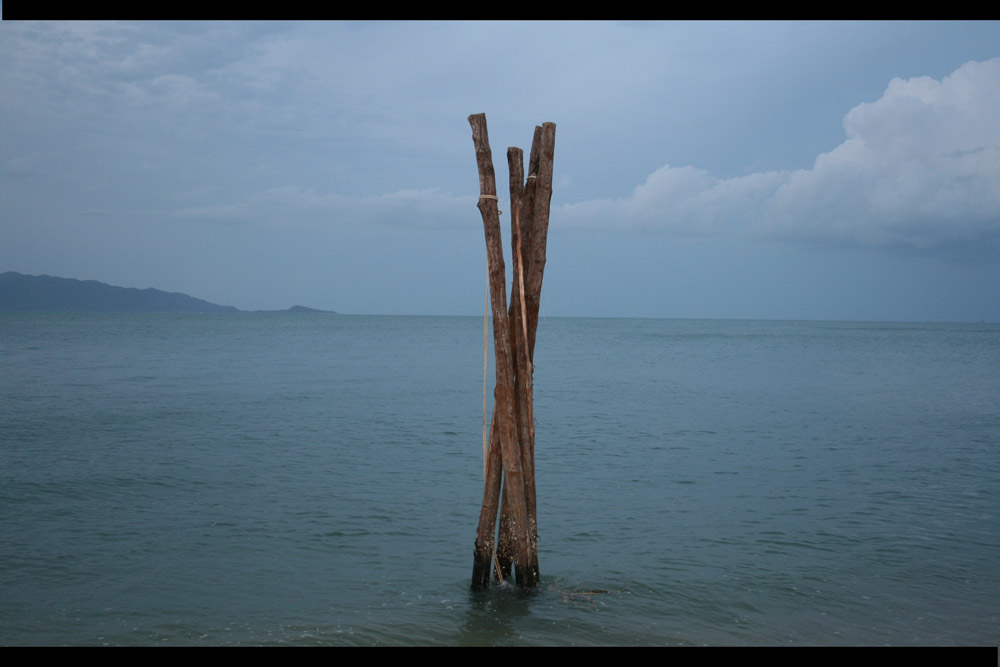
column 514, row 334
column 522, row 373
column 530, row 205
column 504, row 392
column 486, row 531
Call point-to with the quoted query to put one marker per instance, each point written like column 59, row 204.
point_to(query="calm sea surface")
column 316, row 479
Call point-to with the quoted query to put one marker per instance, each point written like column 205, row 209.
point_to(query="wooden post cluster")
column 510, row 465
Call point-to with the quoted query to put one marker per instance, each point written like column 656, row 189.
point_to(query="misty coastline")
column 26, row 293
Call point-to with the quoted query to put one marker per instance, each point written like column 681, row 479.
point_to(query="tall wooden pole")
column 533, row 250
column 530, row 204
column 504, row 392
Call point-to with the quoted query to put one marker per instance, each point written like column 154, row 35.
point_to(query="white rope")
column 494, row 198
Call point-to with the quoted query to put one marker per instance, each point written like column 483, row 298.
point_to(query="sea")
column 316, row 479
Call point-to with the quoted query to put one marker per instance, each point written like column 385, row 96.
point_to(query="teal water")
column 316, row 479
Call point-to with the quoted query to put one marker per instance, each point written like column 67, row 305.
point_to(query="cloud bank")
column 919, row 169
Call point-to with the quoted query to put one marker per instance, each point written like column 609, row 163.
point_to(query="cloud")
column 682, row 200
column 919, row 169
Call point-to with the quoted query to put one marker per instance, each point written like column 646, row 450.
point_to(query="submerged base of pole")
column 481, row 559
column 525, row 578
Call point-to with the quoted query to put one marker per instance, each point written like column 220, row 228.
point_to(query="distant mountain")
column 296, row 310
column 23, row 293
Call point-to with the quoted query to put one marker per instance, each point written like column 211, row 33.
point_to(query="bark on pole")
column 523, row 390
column 529, row 244
column 539, row 225
column 504, row 392
column 522, row 405
column 505, row 539
column 534, row 269
column 488, row 514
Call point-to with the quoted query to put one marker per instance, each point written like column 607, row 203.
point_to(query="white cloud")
column 682, row 200
column 919, row 168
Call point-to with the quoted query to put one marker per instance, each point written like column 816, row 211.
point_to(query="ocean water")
column 316, row 479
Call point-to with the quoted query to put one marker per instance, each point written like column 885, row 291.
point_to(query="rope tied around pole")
column 494, row 198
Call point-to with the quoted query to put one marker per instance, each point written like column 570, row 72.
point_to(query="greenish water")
column 316, row 479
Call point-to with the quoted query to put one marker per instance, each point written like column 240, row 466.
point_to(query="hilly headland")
column 25, row 293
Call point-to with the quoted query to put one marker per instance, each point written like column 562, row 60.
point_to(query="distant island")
column 23, row 293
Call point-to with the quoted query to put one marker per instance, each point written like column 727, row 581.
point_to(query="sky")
column 761, row 170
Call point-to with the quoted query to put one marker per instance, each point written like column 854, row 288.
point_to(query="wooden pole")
column 505, row 544
column 530, row 204
column 533, row 248
column 523, row 399
column 483, row 554
column 504, row 392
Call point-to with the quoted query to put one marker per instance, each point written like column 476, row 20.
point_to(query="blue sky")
column 790, row 170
